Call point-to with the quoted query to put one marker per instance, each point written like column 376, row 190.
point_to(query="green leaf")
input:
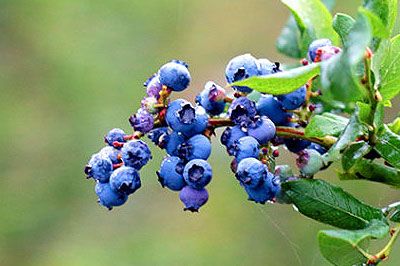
column 339, row 74
column 342, row 23
column 388, row 146
column 378, row 28
column 326, row 124
column 313, row 20
column 365, row 110
column 395, row 217
column 395, row 126
column 388, row 65
column 343, row 247
column 386, row 10
column 372, row 171
column 281, row 82
column 354, row 153
column 329, row 204
column 289, row 41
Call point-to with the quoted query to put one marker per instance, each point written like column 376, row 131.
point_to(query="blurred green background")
column 72, row 70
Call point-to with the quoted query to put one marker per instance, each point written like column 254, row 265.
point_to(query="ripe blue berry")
column 294, row 99
column 197, row 147
column 269, row 106
column 172, row 142
column 153, row 86
column 175, row 75
column 250, row 172
column 108, row 197
column 180, row 115
column 111, row 153
column 99, row 167
column 136, row 154
column 113, row 135
column 142, row 121
column 212, row 98
column 317, row 147
column 265, row 67
column 193, row 199
column 171, row 173
column 309, row 162
column 312, row 49
column 246, row 147
column 230, row 136
column 296, row 145
column 197, row 173
column 200, row 122
column 156, row 135
column 266, row 191
column 239, row 68
column 263, row 130
column 242, row 111
column 125, row 180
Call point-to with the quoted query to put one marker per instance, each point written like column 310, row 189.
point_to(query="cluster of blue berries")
column 184, row 130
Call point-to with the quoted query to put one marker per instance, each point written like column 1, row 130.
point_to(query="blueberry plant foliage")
column 330, row 108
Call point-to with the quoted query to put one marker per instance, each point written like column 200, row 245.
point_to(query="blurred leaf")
column 386, row 10
column 354, row 153
column 388, row 146
column 326, row 124
column 353, row 130
column 372, row 171
column 395, row 126
column 395, row 217
column 378, row 28
column 329, row 204
column 338, row 75
column 313, row 20
column 288, row 42
column 281, row 82
column 342, row 247
column 342, row 24
column 387, row 68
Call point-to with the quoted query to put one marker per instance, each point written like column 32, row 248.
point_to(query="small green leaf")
column 386, row 10
column 388, row 146
column 395, row 217
column 372, row 171
column 326, row 124
column 378, row 28
column 388, row 79
column 329, row 204
column 282, row 82
column 343, row 247
column 354, row 153
column 395, row 126
column 342, row 23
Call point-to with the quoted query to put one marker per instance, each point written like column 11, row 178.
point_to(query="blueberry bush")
column 329, row 108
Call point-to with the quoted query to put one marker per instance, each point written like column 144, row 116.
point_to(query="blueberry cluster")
column 184, row 130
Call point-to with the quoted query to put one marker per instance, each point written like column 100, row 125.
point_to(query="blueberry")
column 153, row 86
column 317, row 147
column 193, row 199
column 113, row 135
column 294, row 99
column 239, row 68
column 99, row 167
column 142, row 121
column 242, row 111
column 156, row 135
column 309, row 162
column 246, row 147
column 170, row 174
column 230, row 136
column 250, row 172
column 200, row 123
column 265, row 67
column 111, row 153
column 108, row 197
column 266, row 191
column 269, row 106
column 175, row 75
column 263, row 130
column 212, row 98
column 283, row 171
column 296, row 145
column 172, row 142
column 326, row 52
column 197, row 147
column 197, row 173
column 312, row 49
column 136, row 154
column 125, row 180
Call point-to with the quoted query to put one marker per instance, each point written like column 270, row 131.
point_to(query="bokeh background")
column 72, row 70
